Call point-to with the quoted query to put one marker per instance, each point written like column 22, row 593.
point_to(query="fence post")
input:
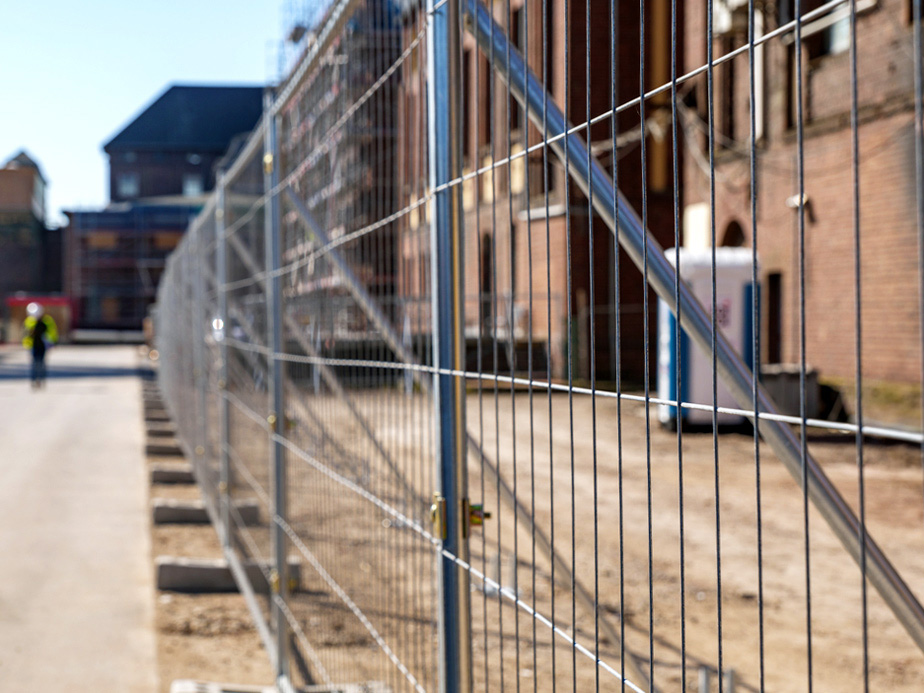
column 446, row 259
column 276, row 418
column 222, row 331
column 200, row 369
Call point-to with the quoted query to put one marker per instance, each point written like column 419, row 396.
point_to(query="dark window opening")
column 486, row 98
column 516, row 39
column 466, row 106
column 487, row 280
column 727, row 97
column 774, row 317
column 734, row 236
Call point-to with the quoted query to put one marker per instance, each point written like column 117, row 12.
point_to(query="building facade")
column 523, row 218
column 161, row 165
column 30, row 252
column 171, row 147
column 887, row 199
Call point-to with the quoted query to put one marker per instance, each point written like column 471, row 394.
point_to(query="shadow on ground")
column 22, row 372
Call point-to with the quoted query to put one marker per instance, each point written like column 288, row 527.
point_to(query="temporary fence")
column 416, row 331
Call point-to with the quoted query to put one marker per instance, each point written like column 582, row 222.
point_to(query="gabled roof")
column 23, row 160
column 195, row 118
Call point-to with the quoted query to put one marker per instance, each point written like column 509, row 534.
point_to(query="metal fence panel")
column 417, row 327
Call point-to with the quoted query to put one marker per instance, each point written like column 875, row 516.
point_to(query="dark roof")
column 193, row 118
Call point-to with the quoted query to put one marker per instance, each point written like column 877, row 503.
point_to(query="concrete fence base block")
column 170, row 511
column 161, row 428
column 163, row 447
column 172, row 474
column 190, row 686
column 365, row 687
column 178, row 574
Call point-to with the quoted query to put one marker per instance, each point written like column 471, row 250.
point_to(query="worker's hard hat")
column 35, row 310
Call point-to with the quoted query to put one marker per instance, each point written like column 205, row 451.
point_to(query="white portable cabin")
column 735, row 295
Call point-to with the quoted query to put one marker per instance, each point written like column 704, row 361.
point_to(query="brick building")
column 171, row 147
column 891, row 317
column 350, row 183
column 161, row 165
column 508, row 215
column 30, row 252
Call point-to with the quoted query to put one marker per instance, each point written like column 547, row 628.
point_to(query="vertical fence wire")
column 601, row 549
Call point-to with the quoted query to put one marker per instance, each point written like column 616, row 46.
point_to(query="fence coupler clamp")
column 274, row 582
column 477, row 515
column 438, row 516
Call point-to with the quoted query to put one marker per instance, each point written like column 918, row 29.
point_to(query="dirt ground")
column 682, row 626
column 670, row 614
column 609, row 497
column 207, row 637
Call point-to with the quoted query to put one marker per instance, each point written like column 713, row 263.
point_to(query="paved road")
column 76, row 586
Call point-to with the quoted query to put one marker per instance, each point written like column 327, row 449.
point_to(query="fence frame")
column 451, row 508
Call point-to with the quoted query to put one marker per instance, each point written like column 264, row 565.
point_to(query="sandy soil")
column 669, row 613
column 207, row 637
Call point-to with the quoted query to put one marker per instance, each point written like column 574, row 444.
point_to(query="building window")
column 128, row 185
column 774, row 317
column 467, row 107
column 486, row 117
column 734, row 236
column 827, row 34
column 517, row 35
column 192, row 184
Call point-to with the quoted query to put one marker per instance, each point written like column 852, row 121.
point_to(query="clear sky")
column 72, row 74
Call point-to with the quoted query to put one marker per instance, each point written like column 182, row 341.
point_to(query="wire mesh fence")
column 459, row 424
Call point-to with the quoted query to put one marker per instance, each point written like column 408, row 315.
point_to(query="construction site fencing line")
column 430, row 328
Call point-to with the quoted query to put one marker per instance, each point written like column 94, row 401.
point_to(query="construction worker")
column 39, row 332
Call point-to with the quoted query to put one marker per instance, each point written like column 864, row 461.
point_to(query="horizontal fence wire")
column 625, row 522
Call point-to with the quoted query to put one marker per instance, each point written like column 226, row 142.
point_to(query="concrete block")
column 161, row 428
column 163, row 447
column 178, row 574
column 171, row 511
column 172, row 474
column 191, row 686
column 158, row 415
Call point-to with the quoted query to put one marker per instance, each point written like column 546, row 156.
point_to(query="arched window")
column 734, row 236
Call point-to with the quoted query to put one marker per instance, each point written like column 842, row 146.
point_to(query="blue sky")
column 72, row 74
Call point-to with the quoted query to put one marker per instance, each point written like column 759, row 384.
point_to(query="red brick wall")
column 888, row 245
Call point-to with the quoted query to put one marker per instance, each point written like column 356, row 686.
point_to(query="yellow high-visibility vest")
column 51, row 330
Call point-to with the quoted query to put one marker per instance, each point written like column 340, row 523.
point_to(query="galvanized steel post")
column 221, row 331
column 200, row 369
column 446, row 253
column 276, row 416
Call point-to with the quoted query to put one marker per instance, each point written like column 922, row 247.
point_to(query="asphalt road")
column 76, row 584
